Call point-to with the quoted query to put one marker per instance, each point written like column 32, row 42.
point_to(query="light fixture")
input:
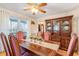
column 35, row 7
column 34, row 10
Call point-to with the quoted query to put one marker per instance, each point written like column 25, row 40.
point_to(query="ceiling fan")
column 34, row 7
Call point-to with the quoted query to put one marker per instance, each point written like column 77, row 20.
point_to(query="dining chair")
column 20, row 36
column 6, row 45
column 72, row 44
column 16, row 48
column 47, row 36
column 71, row 47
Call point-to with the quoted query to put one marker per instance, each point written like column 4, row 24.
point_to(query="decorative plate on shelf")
column 65, row 23
column 48, row 24
column 66, row 28
column 49, row 28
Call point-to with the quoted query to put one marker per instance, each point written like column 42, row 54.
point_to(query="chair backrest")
column 72, row 44
column 20, row 36
column 14, row 45
column 6, row 45
column 47, row 36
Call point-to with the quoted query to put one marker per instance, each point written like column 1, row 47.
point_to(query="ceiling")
column 51, row 8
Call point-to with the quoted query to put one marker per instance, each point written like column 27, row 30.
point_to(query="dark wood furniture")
column 40, row 49
column 60, row 29
column 6, row 45
column 71, row 47
column 16, row 48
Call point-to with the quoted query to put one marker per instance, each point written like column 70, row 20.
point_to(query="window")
column 17, row 25
column 13, row 25
column 23, row 25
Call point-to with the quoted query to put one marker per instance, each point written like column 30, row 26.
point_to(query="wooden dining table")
column 40, row 48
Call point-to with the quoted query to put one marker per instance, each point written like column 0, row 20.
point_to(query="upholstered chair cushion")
column 20, row 36
column 14, row 45
column 47, row 36
column 72, row 44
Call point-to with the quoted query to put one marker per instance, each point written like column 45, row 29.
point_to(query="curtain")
column 4, row 25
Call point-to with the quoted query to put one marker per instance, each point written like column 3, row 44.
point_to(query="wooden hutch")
column 60, row 29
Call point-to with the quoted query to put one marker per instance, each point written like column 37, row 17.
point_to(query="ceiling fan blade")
column 42, row 4
column 42, row 11
column 27, row 9
column 31, row 4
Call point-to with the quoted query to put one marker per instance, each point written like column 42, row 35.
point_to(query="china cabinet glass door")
column 48, row 25
column 65, row 26
column 56, row 26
